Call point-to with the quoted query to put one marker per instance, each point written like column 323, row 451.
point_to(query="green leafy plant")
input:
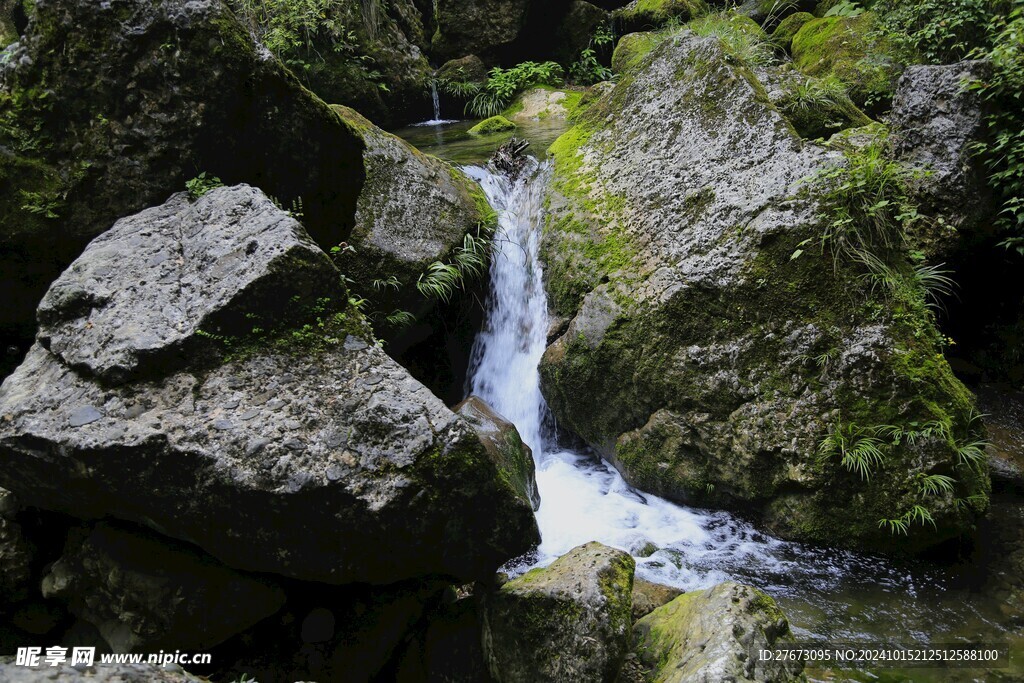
column 202, row 184
column 859, row 448
column 504, row 84
column 934, row 484
column 901, row 525
column 41, row 203
column 845, row 8
column 935, row 31
column 1003, row 152
column 587, row 70
column 442, row 279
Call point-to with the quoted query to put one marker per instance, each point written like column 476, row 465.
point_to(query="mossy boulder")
column 494, row 124
column 715, row 635
column 633, row 47
column 566, row 622
column 543, row 102
column 704, row 359
column 644, row 15
column 468, row 69
column 500, row 437
column 817, row 108
column 787, row 29
column 847, row 48
column 378, row 65
column 413, row 210
column 109, row 108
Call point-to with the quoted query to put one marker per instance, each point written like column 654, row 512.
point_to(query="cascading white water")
column 585, row 499
column 436, row 98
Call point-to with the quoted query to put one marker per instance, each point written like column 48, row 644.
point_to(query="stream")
column 828, row 594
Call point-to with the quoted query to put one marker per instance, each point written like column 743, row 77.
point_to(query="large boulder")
column 703, row 359
column 302, row 423
column 480, row 27
column 416, row 214
column 143, row 593
column 936, row 120
column 566, row 622
column 108, row 108
column 715, row 635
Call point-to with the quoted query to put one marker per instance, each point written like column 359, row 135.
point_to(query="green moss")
column 787, row 29
column 647, row 14
column 848, row 49
column 632, row 48
column 495, row 124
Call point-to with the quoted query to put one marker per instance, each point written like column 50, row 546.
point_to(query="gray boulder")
column 566, row 622
column 712, row 353
column 191, row 267
column 309, row 454
column 936, row 118
column 143, row 593
column 502, row 441
column 715, row 635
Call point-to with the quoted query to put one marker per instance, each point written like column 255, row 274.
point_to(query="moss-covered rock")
column 847, row 48
column 704, row 359
column 817, row 108
column 480, row 27
column 366, row 55
column 500, row 437
column 644, row 15
column 715, row 635
column 783, row 34
column 108, row 108
column 543, row 102
column 567, row 622
column 633, row 47
column 494, row 124
column 648, row 596
column 413, row 210
column 468, row 69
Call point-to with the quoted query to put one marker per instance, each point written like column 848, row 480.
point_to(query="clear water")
column 828, row 594
column 451, row 140
column 437, row 120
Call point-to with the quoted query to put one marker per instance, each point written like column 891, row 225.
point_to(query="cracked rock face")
column 327, row 464
column 146, row 287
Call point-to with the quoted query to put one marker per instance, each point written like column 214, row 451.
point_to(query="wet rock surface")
column 568, row 621
column 714, row 635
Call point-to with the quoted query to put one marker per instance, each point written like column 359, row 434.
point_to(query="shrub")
column 504, row 84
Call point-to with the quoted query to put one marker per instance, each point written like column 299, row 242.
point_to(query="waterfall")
column 437, row 100
column 584, row 498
